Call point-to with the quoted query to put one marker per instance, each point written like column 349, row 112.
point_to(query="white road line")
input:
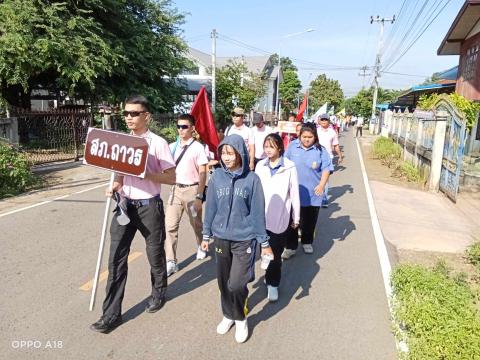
column 377, row 232
column 49, row 201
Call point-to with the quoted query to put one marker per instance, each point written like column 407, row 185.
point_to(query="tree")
column 235, row 83
column 91, row 49
column 289, row 90
column 323, row 90
column 361, row 103
column 285, row 62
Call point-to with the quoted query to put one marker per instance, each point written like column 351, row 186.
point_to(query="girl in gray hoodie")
column 235, row 219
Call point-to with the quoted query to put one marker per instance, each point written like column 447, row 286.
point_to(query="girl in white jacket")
column 282, row 204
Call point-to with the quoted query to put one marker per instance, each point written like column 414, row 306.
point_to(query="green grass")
column 408, row 171
column 386, row 151
column 473, row 255
column 437, row 312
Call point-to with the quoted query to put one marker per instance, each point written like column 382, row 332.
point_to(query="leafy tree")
column 285, row 62
column 361, row 103
column 91, row 49
column 289, row 90
column 323, row 90
column 235, row 83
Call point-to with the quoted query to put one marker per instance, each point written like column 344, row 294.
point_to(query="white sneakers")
column 172, row 267
column 241, row 328
column 288, row 253
column 201, row 254
column 241, row 331
column 272, row 293
column 307, row 249
column 224, row 326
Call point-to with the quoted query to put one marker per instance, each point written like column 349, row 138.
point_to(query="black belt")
column 184, row 185
column 142, row 202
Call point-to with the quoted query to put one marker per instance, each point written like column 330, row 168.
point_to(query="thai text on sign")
column 288, row 127
column 122, row 153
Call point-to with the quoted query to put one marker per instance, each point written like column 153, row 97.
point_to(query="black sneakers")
column 154, row 305
column 105, row 326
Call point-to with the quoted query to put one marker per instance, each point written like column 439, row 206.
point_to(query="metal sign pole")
column 101, row 246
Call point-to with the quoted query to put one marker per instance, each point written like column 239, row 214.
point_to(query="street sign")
column 289, row 127
column 122, row 153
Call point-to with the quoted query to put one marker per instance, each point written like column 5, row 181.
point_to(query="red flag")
column 302, row 108
column 204, row 123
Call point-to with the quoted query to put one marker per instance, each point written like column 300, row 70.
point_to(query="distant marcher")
column 359, row 125
column 235, row 219
column 260, row 131
column 187, row 194
column 282, row 203
column 239, row 127
column 145, row 211
column 313, row 165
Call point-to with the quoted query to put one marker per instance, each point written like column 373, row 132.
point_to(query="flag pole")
column 101, row 246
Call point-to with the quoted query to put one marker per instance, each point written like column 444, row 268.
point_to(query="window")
column 470, row 63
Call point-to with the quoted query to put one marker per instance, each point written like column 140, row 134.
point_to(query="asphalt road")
column 332, row 304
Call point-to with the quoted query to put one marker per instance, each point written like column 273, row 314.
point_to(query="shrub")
column 15, row 174
column 409, row 171
column 386, row 151
column 473, row 255
column 436, row 312
column 167, row 131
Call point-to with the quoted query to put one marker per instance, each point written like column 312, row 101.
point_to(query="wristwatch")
column 199, row 196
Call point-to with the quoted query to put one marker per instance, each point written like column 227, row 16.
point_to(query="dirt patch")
column 378, row 172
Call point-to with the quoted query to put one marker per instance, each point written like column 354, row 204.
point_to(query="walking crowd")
column 257, row 194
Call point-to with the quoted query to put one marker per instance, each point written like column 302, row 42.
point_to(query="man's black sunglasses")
column 182, row 126
column 132, row 113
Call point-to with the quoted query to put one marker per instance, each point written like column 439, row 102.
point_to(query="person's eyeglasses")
column 133, row 113
column 183, row 127
column 237, row 115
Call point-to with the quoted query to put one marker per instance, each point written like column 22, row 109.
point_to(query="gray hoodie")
column 235, row 202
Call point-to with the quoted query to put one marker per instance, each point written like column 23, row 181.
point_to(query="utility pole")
column 376, row 69
column 364, row 74
column 214, row 67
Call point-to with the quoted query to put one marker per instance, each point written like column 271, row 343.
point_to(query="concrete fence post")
column 437, row 150
column 419, row 141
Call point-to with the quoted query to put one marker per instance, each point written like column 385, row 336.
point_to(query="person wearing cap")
column 238, row 127
column 328, row 138
column 260, row 132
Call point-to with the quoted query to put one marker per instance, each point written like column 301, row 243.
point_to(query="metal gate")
column 452, row 152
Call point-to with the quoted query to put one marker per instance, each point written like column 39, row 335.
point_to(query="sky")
column 343, row 40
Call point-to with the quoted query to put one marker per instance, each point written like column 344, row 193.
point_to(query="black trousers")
column 308, row 222
column 277, row 243
column 359, row 129
column 235, row 266
column 150, row 221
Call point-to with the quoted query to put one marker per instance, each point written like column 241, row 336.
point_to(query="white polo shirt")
column 244, row 131
column 328, row 138
column 187, row 170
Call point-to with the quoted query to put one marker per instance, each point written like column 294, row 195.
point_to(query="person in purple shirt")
column 313, row 165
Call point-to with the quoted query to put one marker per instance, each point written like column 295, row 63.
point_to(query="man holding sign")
column 145, row 213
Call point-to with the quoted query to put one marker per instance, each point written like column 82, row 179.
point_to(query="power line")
column 419, row 36
column 395, row 73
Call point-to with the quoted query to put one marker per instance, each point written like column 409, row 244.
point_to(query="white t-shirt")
column 259, row 136
column 359, row 121
column 244, row 131
column 328, row 138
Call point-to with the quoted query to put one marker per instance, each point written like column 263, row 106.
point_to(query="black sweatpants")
column 235, row 269
column 150, row 221
column 277, row 243
column 308, row 222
